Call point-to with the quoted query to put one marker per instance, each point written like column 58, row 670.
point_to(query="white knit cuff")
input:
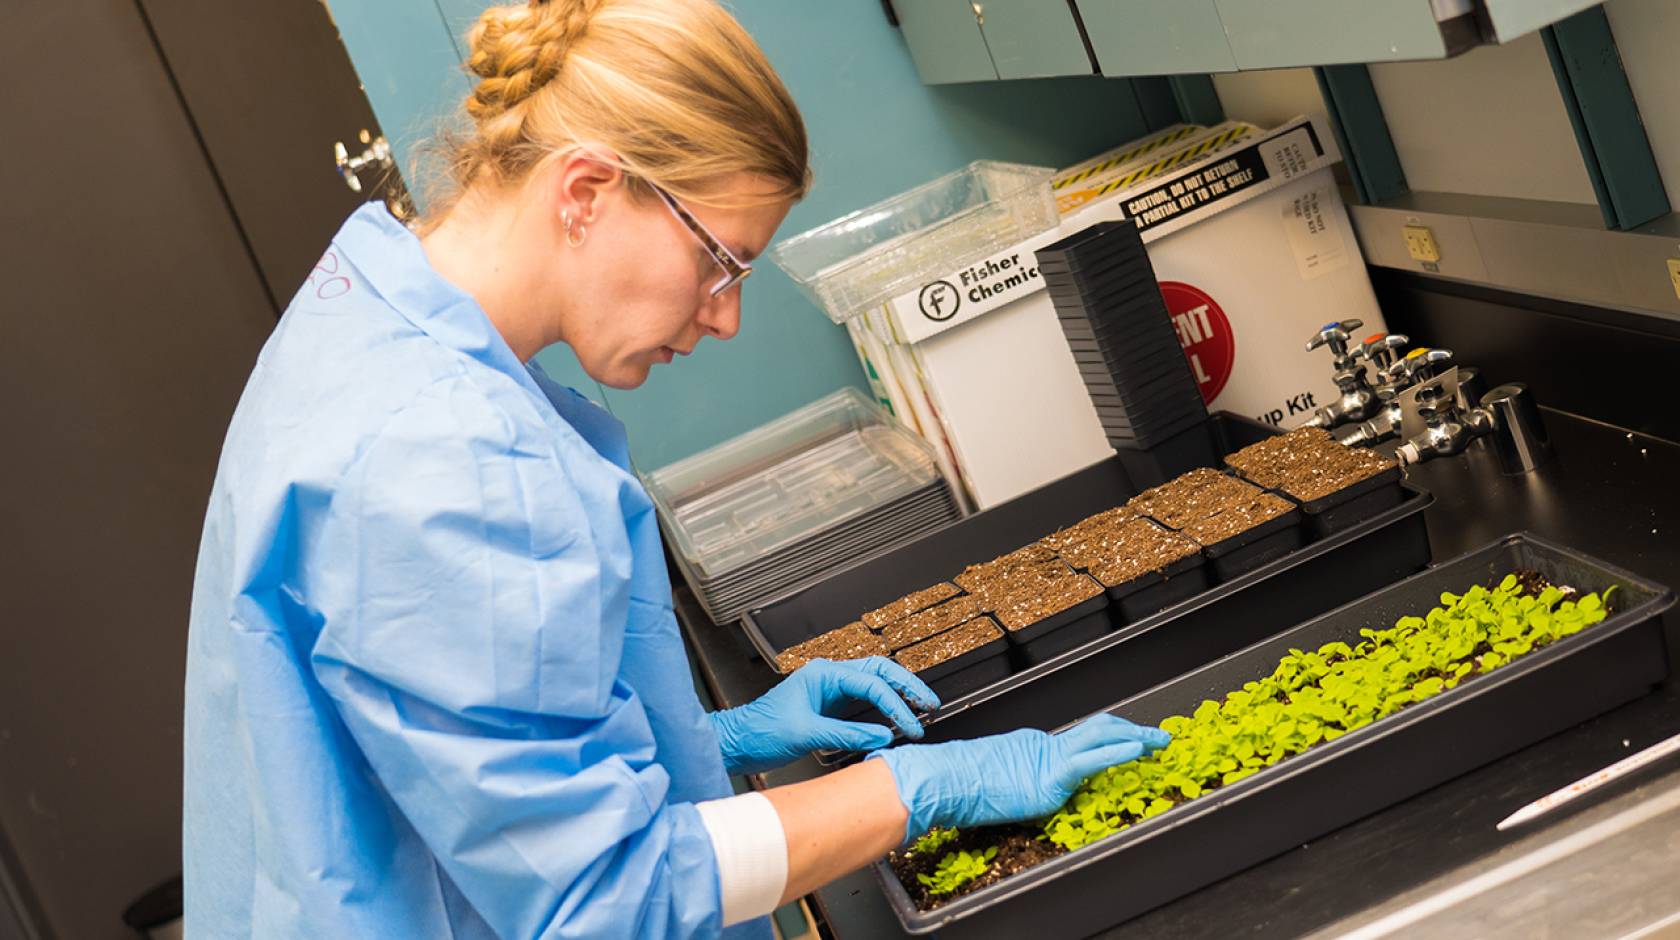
column 751, row 851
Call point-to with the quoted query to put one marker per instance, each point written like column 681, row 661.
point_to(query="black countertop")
column 1606, row 493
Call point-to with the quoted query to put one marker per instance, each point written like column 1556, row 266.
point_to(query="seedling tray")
column 972, row 670
column 1246, row 551
column 1335, row 783
column 1058, row 633
column 1227, row 617
column 1352, row 503
column 1158, row 590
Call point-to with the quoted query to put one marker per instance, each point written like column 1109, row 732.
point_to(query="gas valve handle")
column 1428, row 363
column 1380, row 348
column 1335, row 335
column 1406, row 370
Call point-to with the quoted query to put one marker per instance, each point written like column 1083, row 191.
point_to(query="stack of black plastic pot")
column 1116, row 323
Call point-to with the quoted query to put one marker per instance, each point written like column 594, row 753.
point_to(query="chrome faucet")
column 1416, row 367
column 1448, row 429
column 1358, row 400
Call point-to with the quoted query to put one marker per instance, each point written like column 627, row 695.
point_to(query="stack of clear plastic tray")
column 863, row 260
column 782, row 505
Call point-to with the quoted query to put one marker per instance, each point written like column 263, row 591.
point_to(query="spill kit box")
column 1254, row 252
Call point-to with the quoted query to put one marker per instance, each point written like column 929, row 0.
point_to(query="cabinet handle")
column 377, row 155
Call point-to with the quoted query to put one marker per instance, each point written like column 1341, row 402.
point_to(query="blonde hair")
column 676, row 89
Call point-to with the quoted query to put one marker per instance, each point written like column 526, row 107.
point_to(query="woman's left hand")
column 793, row 719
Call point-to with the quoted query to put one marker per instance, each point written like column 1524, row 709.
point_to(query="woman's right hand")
column 1009, row 777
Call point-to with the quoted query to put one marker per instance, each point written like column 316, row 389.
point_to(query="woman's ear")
column 585, row 177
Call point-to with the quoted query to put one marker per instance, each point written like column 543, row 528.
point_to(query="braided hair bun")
column 675, row 92
column 516, row 50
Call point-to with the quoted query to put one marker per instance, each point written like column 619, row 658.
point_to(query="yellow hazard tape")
column 1148, row 146
column 1067, row 202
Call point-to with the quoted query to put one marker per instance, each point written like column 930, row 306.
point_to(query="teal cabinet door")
column 1269, row 34
column 1513, row 18
column 945, row 41
column 1033, row 38
column 1156, row 37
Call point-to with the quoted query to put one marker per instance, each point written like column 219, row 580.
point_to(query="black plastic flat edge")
column 920, row 923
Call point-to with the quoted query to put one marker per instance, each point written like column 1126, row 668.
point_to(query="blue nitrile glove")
column 795, row 718
column 1010, row 777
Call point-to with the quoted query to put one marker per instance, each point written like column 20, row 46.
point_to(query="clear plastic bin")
column 865, row 259
column 810, row 471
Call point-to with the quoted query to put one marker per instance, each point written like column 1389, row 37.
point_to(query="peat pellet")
column 1237, row 517
column 949, row 645
column 918, row 627
column 852, row 641
column 1138, row 548
column 910, row 604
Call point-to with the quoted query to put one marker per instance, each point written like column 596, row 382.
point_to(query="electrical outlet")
column 1674, row 274
column 1420, row 244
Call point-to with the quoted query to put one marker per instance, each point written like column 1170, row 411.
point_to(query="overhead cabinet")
column 1156, row 37
column 1266, row 34
column 977, row 40
column 1512, row 18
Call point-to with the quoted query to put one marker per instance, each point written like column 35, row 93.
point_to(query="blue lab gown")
column 434, row 684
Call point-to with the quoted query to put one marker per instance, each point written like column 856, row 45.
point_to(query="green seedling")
column 1316, row 696
column 956, row 870
column 935, row 839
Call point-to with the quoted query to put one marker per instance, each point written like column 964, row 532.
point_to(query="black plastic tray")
column 1352, row 503
column 1338, row 782
column 974, row 669
column 1058, row 633
column 1134, row 657
column 1153, row 592
column 1246, row 551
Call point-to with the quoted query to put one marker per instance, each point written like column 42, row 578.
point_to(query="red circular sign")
column 1205, row 334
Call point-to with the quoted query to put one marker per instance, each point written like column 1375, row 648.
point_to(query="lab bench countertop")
column 1434, row 865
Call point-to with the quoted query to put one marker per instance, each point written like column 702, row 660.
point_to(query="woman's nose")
column 720, row 316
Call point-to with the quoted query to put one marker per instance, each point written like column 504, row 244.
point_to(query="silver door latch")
column 377, row 154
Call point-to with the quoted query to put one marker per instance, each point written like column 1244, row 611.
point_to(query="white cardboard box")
column 1254, row 251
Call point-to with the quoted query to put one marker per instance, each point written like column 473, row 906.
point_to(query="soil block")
column 961, row 659
column 973, row 575
column 852, row 641
column 1193, row 496
column 918, row 627
column 1072, row 543
column 910, row 604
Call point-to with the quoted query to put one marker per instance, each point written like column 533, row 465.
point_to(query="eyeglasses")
column 734, row 269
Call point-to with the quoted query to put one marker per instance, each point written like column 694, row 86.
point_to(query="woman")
column 434, row 685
